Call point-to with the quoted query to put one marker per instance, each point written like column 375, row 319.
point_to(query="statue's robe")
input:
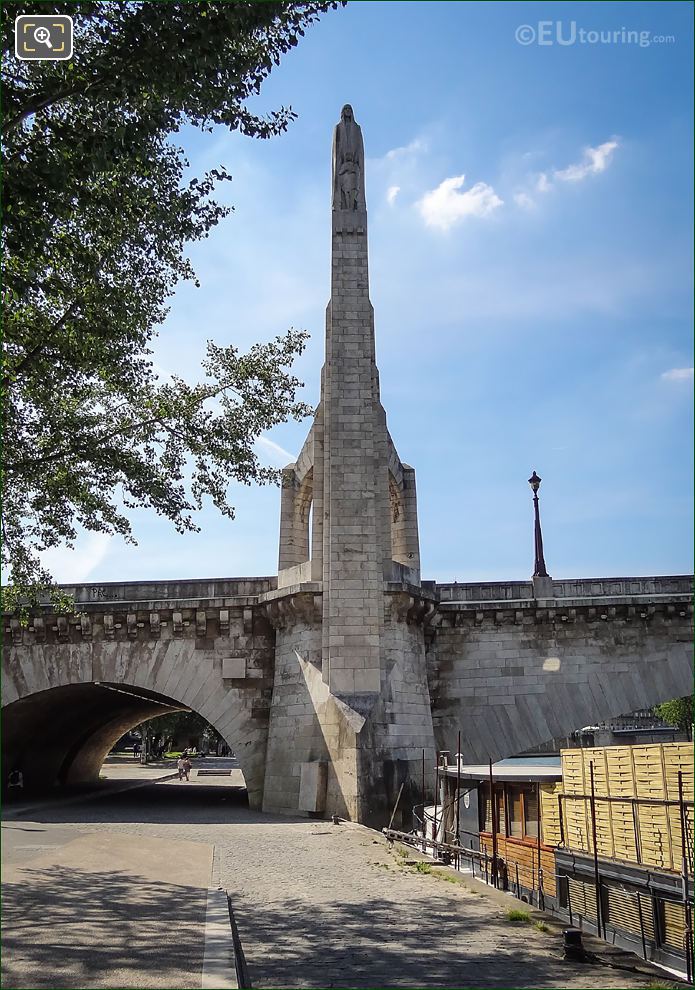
column 347, row 139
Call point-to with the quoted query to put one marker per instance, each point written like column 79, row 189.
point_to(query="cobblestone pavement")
column 322, row 905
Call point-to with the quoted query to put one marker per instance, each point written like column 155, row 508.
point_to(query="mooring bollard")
column 573, row 945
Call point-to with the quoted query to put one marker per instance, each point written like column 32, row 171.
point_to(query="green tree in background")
column 97, row 215
column 678, row 712
column 182, row 727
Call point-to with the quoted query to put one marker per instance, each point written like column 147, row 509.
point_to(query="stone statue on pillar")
column 348, row 163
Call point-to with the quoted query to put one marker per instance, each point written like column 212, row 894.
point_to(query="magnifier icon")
column 43, row 36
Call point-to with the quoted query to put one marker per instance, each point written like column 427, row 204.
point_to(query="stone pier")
column 350, row 686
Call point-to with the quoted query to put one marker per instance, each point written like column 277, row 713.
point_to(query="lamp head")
column 535, row 482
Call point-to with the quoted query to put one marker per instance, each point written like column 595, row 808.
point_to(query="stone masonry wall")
column 294, row 735
column 399, row 727
column 512, row 678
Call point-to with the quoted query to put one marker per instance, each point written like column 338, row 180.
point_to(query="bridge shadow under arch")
column 60, row 737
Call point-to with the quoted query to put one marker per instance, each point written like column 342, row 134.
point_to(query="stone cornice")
column 632, row 599
column 564, row 611
column 302, row 605
column 308, row 587
column 143, row 623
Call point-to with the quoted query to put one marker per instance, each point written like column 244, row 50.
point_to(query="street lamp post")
column 539, row 568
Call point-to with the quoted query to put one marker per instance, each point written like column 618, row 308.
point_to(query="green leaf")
column 98, row 218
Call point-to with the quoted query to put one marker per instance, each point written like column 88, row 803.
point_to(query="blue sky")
column 530, row 211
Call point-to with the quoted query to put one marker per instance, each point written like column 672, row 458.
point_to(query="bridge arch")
column 66, row 704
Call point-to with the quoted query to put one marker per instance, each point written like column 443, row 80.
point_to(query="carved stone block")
column 312, row 787
column 234, row 667
column 201, row 624
column 224, row 622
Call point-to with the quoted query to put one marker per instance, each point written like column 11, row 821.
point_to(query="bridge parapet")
column 484, row 591
column 652, row 587
column 198, row 589
column 211, row 608
column 571, row 588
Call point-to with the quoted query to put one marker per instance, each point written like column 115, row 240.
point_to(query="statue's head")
column 346, row 113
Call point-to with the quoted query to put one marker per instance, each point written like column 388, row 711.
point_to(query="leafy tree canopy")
column 181, row 725
column 97, row 215
column 678, row 712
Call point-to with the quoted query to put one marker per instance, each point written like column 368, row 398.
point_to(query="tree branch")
column 37, row 104
column 31, row 355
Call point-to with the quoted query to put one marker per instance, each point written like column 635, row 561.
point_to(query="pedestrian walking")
column 180, row 767
column 186, row 767
column 15, row 780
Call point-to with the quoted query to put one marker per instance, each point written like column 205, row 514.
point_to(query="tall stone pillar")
column 356, row 526
column 350, row 688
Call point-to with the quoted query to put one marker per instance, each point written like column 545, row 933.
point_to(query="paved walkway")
column 322, row 905
column 126, row 767
column 86, row 909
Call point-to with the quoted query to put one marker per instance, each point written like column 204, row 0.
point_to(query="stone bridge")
column 332, row 678
column 507, row 670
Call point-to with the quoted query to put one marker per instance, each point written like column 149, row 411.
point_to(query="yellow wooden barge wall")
column 641, row 825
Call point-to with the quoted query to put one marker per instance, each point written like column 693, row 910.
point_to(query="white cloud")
column 414, row 148
column 397, row 172
column 72, row 566
column 594, row 160
column 523, row 200
column 542, row 183
column 678, row 375
column 444, row 206
column 277, row 454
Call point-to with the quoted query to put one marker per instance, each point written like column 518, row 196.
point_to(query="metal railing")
column 510, row 873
